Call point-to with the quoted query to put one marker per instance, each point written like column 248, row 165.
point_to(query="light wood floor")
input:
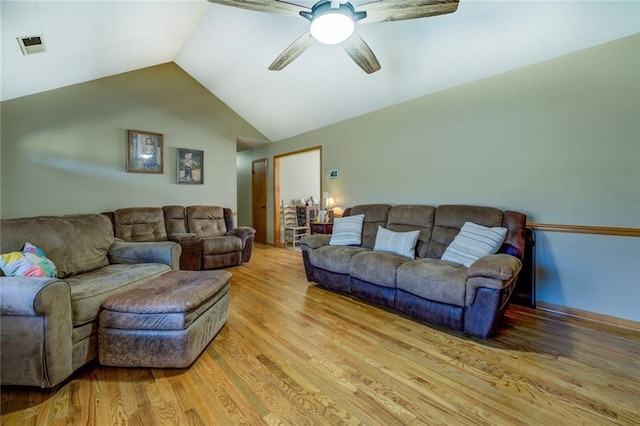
column 294, row 354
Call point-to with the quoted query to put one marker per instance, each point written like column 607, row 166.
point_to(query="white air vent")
column 31, row 44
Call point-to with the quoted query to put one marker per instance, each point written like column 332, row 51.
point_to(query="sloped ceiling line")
column 228, row 51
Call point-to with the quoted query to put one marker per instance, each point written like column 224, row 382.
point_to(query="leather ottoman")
column 166, row 322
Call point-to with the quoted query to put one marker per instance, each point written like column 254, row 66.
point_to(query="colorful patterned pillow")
column 30, row 262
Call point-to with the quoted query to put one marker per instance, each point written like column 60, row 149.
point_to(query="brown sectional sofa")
column 49, row 326
column 206, row 233
column 470, row 299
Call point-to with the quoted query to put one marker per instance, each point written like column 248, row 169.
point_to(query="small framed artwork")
column 190, row 166
column 144, row 152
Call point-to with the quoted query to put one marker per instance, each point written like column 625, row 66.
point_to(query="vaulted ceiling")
column 228, row 51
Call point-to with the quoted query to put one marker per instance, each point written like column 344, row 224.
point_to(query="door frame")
column 276, row 188
column 264, row 160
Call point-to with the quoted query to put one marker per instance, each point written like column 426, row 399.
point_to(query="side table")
column 321, row 228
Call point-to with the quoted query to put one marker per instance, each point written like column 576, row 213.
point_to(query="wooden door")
column 259, row 199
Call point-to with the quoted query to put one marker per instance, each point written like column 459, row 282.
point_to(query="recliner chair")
column 205, row 233
column 221, row 243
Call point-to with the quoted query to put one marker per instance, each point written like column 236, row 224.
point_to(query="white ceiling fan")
column 333, row 22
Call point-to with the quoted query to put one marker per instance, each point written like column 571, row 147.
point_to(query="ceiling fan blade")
column 292, row 52
column 398, row 10
column 268, row 6
column 361, row 53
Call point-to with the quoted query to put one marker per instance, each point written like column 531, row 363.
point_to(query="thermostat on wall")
column 333, row 174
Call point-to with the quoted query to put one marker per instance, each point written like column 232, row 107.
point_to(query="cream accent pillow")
column 402, row 243
column 347, row 231
column 473, row 242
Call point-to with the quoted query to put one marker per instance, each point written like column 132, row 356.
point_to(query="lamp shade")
column 330, row 203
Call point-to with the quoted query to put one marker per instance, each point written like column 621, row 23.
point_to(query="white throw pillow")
column 402, row 243
column 473, row 242
column 347, row 231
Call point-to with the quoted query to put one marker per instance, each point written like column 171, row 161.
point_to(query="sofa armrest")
column 36, row 332
column 315, row 241
column 501, row 267
column 191, row 250
column 166, row 252
column 18, row 294
column 242, row 232
column 247, row 235
column 495, row 271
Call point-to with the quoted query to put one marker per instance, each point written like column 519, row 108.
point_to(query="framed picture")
column 190, row 166
column 144, row 152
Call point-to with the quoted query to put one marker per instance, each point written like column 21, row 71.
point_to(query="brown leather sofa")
column 206, row 233
column 49, row 326
column 469, row 299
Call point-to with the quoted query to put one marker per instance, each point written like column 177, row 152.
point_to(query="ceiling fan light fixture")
column 332, row 27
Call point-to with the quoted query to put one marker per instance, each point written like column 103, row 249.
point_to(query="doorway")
column 292, row 172
column 259, row 199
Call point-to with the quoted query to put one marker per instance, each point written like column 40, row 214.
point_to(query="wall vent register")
column 31, row 44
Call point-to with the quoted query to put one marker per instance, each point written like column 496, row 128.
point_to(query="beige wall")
column 300, row 176
column 243, row 170
column 559, row 140
column 64, row 151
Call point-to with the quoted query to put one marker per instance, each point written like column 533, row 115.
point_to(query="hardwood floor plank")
column 240, row 404
column 293, row 353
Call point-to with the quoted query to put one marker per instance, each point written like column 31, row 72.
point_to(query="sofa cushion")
column 90, row 289
column 409, row 217
column 347, row 231
column 75, row 243
column 221, row 260
column 206, row 221
column 334, row 258
column 220, row 245
column 175, row 220
column 171, row 302
column 315, row 241
column 374, row 215
column 473, row 242
column 434, row 279
column 376, row 267
column 402, row 243
column 137, row 224
column 450, row 218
